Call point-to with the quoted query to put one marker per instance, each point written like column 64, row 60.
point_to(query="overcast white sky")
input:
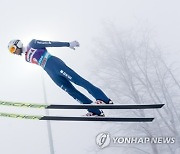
column 67, row 20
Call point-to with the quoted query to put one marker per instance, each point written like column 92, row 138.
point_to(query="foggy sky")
column 67, row 20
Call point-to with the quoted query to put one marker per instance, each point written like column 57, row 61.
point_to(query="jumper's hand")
column 74, row 44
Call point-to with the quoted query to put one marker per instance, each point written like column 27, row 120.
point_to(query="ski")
column 82, row 106
column 110, row 119
column 106, row 106
column 83, row 118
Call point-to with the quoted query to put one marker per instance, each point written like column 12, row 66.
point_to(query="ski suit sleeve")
column 38, row 44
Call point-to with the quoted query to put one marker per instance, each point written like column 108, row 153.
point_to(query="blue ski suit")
column 60, row 73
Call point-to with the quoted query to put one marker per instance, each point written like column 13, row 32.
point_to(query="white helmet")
column 14, row 44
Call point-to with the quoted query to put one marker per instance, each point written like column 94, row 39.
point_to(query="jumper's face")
column 18, row 51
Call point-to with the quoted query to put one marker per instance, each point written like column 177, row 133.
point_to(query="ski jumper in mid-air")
column 36, row 52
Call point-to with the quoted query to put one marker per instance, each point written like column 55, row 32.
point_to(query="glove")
column 74, row 44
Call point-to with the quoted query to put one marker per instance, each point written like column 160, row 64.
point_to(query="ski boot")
column 91, row 114
column 102, row 102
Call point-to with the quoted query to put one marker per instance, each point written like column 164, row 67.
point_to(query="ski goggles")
column 12, row 49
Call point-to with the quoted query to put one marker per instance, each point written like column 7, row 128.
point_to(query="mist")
column 86, row 22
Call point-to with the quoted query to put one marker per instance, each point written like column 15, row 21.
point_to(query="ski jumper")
column 60, row 73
